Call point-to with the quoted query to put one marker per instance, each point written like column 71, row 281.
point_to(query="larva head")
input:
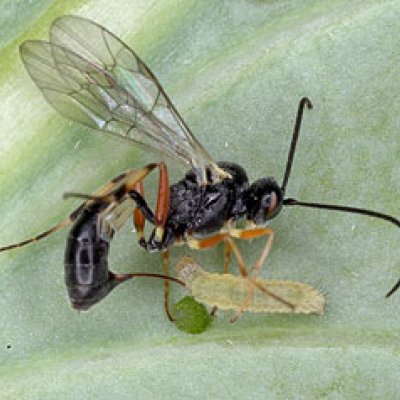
column 264, row 200
column 187, row 270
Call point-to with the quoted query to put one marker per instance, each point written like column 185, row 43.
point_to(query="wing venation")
column 89, row 75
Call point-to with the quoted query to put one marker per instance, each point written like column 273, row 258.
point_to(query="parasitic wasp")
column 89, row 75
column 87, row 275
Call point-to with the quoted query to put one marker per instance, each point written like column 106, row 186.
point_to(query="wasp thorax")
column 264, row 200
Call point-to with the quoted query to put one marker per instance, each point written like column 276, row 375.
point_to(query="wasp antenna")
column 335, row 207
column 305, row 101
column 41, row 236
column 352, row 210
column 393, row 289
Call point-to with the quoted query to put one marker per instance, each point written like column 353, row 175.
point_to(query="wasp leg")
column 143, row 211
column 248, row 234
column 243, row 270
column 138, row 215
column 71, row 218
column 230, row 246
column 212, row 241
column 206, row 243
column 228, row 252
column 165, row 261
column 97, row 196
column 127, row 180
column 41, row 236
column 142, row 205
column 106, row 193
column 115, row 190
column 162, row 203
column 112, row 194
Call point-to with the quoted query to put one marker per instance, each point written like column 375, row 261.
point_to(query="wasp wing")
column 89, row 75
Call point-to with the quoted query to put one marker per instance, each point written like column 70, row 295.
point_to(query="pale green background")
column 236, row 70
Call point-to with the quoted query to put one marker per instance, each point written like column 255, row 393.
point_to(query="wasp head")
column 264, row 200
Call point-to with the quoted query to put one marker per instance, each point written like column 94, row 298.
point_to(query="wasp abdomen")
column 87, row 276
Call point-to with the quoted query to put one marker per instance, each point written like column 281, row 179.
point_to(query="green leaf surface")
column 236, row 71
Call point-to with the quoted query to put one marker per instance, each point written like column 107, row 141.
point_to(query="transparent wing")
column 89, row 75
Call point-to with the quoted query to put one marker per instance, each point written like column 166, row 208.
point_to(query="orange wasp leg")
column 42, row 235
column 230, row 245
column 165, row 261
column 162, row 202
column 104, row 193
column 212, row 241
column 162, row 208
column 248, row 234
column 160, row 218
column 228, row 252
column 138, row 216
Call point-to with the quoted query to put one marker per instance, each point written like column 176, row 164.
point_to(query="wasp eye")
column 273, row 204
column 264, row 200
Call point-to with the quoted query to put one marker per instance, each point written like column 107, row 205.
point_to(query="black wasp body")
column 202, row 210
column 94, row 224
column 205, row 209
column 87, row 276
column 89, row 75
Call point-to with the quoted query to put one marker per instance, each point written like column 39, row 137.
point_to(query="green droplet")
column 191, row 316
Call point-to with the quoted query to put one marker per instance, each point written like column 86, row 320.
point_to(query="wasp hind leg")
column 159, row 218
column 41, row 236
column 68, row 221
column 106, row 192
